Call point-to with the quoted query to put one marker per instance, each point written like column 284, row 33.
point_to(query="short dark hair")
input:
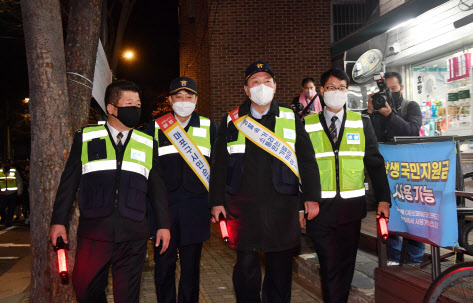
column 114, row 91
column 393, row 74
column 337, row 73
column 307, row 80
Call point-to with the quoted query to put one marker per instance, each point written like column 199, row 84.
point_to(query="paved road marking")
column 7, row 229
column 17, row 279
column 14, row 245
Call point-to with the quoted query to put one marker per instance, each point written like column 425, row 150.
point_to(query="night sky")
column 152, row 32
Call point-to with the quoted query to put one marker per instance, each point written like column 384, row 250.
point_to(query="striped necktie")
column 119, row 141
column 333, row 130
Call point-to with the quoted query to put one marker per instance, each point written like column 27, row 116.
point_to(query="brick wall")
column 291, row 35
column 194, row 48
column 388, row 5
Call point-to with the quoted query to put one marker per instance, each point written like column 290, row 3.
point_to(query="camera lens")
column 379, row 100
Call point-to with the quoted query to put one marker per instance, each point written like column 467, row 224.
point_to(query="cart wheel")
column 468, row 245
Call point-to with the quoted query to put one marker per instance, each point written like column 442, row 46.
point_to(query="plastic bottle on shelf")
column 431, row 127
column 426, row 129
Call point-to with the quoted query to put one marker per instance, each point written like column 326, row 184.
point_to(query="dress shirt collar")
column 115, row 132
column 328, row 115
column 255, row 114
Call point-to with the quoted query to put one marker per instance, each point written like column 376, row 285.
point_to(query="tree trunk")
column 51, row 137
column 81, row 52
column 125, row 13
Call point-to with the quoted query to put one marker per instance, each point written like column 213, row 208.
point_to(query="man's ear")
column 109, row 108
column 402, row 88
column 247, row 91
column 321, row 91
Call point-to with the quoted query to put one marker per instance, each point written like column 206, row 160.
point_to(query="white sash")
column 266, row 140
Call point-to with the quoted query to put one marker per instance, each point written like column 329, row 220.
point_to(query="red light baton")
column 223, row 228
column 383, row 227
column 60, row 250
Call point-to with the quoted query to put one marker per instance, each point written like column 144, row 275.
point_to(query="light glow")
column 61, row 260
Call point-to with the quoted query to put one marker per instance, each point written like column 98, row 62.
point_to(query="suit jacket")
column 112, row 228
column 336, row 210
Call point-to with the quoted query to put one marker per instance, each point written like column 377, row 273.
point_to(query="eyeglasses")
column 332, row 88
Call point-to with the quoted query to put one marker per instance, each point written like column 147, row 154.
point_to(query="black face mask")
column 397, row 97
column 128, row 115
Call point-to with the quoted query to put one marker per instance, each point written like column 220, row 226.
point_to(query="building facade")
column 220, row 38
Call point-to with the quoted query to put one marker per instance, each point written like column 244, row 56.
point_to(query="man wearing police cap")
column 116, row 167
column 185, row 141
column 261, row 153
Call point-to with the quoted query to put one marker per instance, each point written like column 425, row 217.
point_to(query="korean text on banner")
column 422, row 184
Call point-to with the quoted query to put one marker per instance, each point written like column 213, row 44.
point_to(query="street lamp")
column 26, row 100
column 128, row 55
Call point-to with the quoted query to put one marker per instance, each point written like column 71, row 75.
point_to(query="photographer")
column 391, row 116
column 308, row 102
column 398, row 117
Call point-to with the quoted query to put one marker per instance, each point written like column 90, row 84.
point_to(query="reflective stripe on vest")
column 285, row 128
column 137, row 158
column 197, row 135
column 8, row 182
column 350, row 157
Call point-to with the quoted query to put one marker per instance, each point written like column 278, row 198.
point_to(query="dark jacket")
column 114, row 227
column 336, row 210
column 259, row 217
column 386, row 128
column 188, row 197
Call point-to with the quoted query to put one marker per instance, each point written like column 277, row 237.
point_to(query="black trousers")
column 93, row 260
column 8, row 201
column 336, row 247
column 277, row 278
column 165, row 272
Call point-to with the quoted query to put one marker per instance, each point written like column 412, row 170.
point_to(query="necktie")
column 333, row 129
column 119, row 141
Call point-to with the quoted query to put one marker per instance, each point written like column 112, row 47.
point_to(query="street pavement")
column 215, row 282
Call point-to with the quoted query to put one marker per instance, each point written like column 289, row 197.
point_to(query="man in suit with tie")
column 344, row 144
column 116, row 167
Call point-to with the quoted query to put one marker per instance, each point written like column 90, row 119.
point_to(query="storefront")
column 432, row 52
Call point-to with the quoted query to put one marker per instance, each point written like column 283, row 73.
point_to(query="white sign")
column 102, row 77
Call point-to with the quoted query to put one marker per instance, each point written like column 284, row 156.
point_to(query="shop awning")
column 408, row 10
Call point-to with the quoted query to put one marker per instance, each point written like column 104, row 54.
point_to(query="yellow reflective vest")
column 349, row 157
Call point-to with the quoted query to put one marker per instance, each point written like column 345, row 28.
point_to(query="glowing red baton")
column 383, row 227
column 223, row 227
column 60, row 250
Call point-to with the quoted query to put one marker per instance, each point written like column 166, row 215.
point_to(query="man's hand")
column 216, row 210
column 370, row 104
column 386, row 110
column 311, row 209
column 301, row 219
column 383, row 208
column 57, row 230
column 165, row 236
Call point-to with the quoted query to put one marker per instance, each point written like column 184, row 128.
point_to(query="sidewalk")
column 215, row 275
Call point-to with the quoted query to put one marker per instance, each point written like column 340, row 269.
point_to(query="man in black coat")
column 257, row 192
column 404, row 119
column 187, row 196
column 345, row 143
column 115, row 167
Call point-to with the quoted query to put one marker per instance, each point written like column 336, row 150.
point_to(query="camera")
column 298, row 106
column 384, row 95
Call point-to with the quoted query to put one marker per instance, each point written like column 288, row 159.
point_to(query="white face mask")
column 335, row 99
column 183, row 108
column 261, row 94
column 309, row 94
